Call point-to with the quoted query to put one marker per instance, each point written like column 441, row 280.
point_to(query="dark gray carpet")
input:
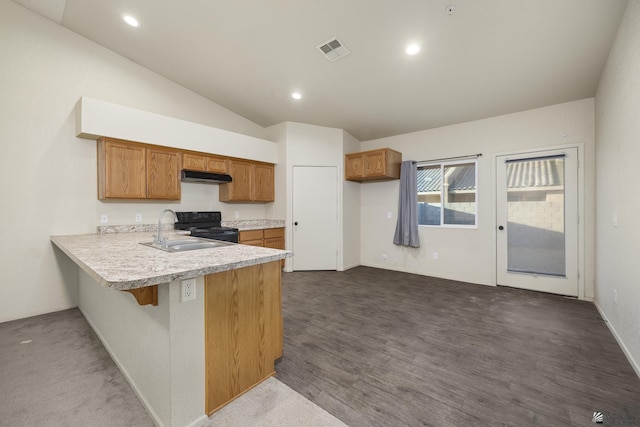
column 62, row 377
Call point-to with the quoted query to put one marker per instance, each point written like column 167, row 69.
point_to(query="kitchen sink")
column 182, row 245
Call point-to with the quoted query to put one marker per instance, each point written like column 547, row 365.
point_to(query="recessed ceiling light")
column 296, row 95
column 131, row 21
column 412, row 49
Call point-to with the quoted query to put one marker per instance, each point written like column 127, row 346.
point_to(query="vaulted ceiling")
column 483, row 59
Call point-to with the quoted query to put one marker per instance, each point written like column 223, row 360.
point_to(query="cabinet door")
column 163, row 174
column 194, row 162
column 353, row 167
column 243, row 330
column 250, row 237
column 264, row 183
column 274, row 238
column 374, row 163
column 216, row 164
column 121, row 170
column 241, row 188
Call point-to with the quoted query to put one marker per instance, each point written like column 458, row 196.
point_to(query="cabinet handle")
column 295, row 223
column 501, row 228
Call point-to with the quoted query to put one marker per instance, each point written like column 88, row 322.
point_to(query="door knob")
column 500, row 228
column 295, row 223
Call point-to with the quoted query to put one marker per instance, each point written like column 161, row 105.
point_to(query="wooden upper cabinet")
column 129, row 170
column 353, row 167
column 252, row 182
column 216, row 164
column 163, row 174
column 194, row 162
column 373, row 165
column 133, row 170
column 240, row 189
column 264, row 183
column 121, row 170
column 204, row 163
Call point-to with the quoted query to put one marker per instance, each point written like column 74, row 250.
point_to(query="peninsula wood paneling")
column 243, row 330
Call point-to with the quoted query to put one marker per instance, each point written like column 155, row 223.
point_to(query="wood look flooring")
column 382, row 348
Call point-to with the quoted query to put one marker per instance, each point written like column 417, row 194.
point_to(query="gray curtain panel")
column 407, row 225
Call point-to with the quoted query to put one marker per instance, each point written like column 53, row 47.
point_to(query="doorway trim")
column 581, row 218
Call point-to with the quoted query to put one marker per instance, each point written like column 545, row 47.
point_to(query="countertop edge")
column 166, row 278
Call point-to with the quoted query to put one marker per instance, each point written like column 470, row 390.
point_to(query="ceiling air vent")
column 333, row 50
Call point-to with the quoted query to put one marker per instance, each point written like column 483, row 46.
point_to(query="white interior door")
column 537, row 221
column 315, row 218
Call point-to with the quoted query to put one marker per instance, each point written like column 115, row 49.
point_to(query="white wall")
column 351, row 227
column 468, row 254
column 618, row 151
column 309, row 145
column 170, row 377
column 48, row 176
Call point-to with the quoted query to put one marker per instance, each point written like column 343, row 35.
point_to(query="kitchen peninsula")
column 184, row 359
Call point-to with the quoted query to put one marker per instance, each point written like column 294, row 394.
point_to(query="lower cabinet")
column 268, row 238
column 243, row 330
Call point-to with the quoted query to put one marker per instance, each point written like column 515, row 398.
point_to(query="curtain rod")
column 450, row 158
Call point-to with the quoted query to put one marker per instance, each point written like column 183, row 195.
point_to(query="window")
column 447, row 194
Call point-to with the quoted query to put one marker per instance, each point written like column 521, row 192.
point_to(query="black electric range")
column 206, row 225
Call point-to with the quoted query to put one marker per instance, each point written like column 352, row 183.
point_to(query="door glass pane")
column 535, row 216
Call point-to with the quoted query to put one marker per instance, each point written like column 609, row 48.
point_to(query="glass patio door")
column 537, row 221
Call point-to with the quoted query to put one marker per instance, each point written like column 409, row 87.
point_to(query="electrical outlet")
column 389, row 214
column 435, row 255
column 614, row 220
column 138, row 217
column 236, row 215
column 615, row 296
column 188, row 288
column 104, row 219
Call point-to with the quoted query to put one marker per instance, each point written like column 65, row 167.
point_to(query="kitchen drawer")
column 270, row 233
column 250, row 235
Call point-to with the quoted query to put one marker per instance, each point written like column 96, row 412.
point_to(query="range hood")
column 210, row 177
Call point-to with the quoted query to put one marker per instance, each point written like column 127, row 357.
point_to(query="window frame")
column 442, row 165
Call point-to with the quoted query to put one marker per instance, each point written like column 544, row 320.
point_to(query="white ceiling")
column 489, row 57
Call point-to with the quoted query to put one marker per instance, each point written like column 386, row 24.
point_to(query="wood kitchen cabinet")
column 204, row 163
column 133, row 170
column 243, row 330
column 264, row 183
column 121, row 170
column 163, row 174
column 268, row 238
column 252, row 182
column 374, row 165
column 129, row 170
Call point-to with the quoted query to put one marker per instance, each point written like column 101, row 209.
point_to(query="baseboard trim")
column 422, row 273
column 625, row 350
column 199, row 422
column 38, row 313
column 349, row 267
column 147, row 406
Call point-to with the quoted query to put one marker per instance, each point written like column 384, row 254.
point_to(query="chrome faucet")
column 159, row 240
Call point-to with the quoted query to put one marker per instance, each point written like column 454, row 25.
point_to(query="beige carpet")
column 273, row 404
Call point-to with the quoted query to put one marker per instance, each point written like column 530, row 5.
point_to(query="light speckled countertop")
column 253, row 224
column 118, row 261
